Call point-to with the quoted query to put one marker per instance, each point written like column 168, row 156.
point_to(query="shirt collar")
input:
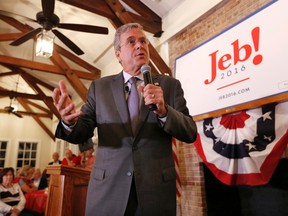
column 127, row 76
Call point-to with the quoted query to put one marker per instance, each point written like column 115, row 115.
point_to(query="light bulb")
column 44, row 44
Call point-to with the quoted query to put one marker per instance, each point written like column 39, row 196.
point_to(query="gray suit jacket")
column 148, row 156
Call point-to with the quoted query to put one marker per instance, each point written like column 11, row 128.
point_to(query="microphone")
column 127, row 90
column 146, row 71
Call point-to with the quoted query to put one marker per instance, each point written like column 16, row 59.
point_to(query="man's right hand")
column 64, row 104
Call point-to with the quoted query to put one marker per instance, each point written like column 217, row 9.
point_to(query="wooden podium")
column 67, row 191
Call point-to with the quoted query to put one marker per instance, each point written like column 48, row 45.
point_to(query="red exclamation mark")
column 255, row 37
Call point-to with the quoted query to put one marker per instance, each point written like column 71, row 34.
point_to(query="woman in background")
column 25, row 181
column 12, row 200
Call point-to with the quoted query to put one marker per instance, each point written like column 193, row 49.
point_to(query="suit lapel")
column 117, row 87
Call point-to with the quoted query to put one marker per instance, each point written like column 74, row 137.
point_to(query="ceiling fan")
column 10, row 109
column 50, row 21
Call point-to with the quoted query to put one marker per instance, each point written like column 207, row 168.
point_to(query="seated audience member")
column 17, row 176
column 71, row 159
column 25, row 181
column 12, row 199
column 56, row 160
column 39, row 181
column 77, row 160
column 87, row 154
column 88, row 159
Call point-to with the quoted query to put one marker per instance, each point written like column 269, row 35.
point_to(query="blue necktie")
column 133, row 104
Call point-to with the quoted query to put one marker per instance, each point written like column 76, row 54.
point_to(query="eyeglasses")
column 132, row 41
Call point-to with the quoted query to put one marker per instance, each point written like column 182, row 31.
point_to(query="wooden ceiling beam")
column 119, row 11
column 10, row 36
column 36, row 118
column 42, row 67
column 148, row 25
column 143, row 10
column 127, row 17
column 72, row 77
column 162, row 67
column 30, row 80
column 79, row 61
column 10, row 73
column 38, row 106
column 148, row 18
column 98, row 7
column 95, row 6
column 30, row 64
column 16, row 24
column 17, row 70
column 41, row 115
column 19, row 95
column 35, row 80
column 44, row 115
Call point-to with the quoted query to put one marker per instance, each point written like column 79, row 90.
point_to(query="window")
column 3, row 147
column 27, row 153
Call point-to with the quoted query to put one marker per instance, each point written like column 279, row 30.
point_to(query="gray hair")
column 122, row 29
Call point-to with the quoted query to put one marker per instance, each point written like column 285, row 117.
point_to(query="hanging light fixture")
column 44, row 44
column 14, row 105
column 14, row 102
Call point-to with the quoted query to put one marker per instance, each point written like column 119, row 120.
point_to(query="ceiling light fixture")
column 44, row 44
column 15, row 107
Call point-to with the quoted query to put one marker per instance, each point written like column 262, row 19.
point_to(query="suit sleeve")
column 179, row 123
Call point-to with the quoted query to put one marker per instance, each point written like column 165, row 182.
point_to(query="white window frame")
column 38, row 143
column 5, row 151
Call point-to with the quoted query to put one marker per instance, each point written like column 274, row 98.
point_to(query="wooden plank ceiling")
column 116, row 13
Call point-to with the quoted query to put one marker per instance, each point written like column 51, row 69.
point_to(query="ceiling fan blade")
column 68, row 42
column 26, row 37
column 48, row 8
column 16, row 16
column 17, row 114
column 83, row 28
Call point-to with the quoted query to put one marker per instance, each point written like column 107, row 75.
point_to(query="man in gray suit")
column 134, row 173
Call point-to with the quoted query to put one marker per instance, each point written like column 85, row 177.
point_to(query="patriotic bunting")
column 245, row 147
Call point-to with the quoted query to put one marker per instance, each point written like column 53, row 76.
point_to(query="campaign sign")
column 246, row 62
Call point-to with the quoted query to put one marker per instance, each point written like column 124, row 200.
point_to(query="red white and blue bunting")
column 244, row 147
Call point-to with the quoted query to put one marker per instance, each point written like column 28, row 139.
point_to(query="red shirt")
column 75, row 159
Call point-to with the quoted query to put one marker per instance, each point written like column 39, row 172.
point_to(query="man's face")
column 55, row 157
column 134, row 51
column 37, row 174
column 68, row 154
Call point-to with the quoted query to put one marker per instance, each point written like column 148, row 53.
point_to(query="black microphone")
column 127, row 90
column 146, row 71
